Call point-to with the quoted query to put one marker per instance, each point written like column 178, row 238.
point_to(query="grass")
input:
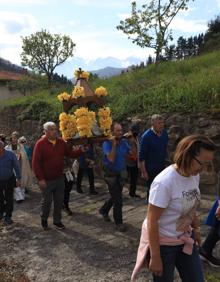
column 188, row 86
column 192, row 85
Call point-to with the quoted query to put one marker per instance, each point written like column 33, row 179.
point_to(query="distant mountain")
column 108, row 72
column 69, row 66
column 104, row 67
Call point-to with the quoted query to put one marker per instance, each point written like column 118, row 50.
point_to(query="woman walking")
column 171, row 231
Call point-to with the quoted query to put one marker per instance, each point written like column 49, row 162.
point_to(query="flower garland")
column 84, row 121
column 78, row 91
column 101, row 91
column 63, row 97
column 105, row 120
column 81, row 74
column 67, row 125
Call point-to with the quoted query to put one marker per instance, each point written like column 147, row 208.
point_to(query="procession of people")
column 170, row 236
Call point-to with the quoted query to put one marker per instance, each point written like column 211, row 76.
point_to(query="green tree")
column 28, row 83
column 148, row 27
column 43, row 52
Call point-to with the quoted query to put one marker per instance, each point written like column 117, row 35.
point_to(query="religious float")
column 85, row 118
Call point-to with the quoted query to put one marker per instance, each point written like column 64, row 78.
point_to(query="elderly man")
column 48, row 164
column 153, row 150
column 115, row 151
column 8, row 165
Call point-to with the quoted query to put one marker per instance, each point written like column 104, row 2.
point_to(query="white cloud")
column 218, row 3
column 12, row 26
column 123, row 16
column 23, row 2
column 98, row 3
column 190, row 26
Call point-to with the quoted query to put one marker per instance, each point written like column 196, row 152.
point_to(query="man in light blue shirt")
column 8, row 166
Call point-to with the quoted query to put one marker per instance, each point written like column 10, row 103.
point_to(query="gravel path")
column 89, row 249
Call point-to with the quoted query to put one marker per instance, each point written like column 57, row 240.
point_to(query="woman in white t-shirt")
column 170, row 231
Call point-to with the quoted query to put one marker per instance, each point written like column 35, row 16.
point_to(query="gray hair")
column 156, row 117
column 2, row 145
column 22, row 139
column 48, row 124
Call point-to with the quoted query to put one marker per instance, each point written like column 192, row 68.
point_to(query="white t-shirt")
column 179, row 196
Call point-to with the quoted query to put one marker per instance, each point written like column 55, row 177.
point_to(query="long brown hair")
column 190, row 147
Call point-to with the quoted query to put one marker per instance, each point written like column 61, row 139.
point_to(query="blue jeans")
column 188, row 266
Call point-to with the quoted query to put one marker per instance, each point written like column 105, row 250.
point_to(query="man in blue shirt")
column 8, row 165
column 115, row 152
column 153, row 150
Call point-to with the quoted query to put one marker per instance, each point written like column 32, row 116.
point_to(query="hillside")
column 191, row 85
column 8, row 66
column 186, row 86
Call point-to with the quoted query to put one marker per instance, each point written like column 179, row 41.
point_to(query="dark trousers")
column 188, row 266
column 90, row 173
column 151, row 176
column 212, row 238
column 115, row 186
column 6, row 196
column 67, row 189
column 133, row 177
column 53, row 191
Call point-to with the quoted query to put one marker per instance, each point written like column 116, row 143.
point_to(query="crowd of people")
column 170, row 235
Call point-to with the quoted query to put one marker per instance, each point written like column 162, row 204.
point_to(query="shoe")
column 105, row 216
column 134, row 196
column 93, row 192
column 59, row 225
column 209, row 258
column 44, row 224
column 8, row 220
column 79, row 190
column 120, row 227
column 68, row 211
column 19, row 201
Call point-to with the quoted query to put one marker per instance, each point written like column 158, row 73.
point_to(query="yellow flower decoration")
column 63, row 97
column 101, row 91
column 78, row 91
column 84, row 121
column 105, row 120
column 81, row 74
column 67, row 125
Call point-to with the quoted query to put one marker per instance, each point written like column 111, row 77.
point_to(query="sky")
column 91, row 24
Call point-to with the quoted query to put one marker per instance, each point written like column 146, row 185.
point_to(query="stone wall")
column 6, row 94
column 178, row 126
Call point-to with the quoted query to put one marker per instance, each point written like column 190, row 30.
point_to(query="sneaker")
column 209, row 258
column 68, row 211
column 59, row 225
column 105, row 216
column 93, row 192
column 8, row 220
column 44, row 224
column 120, row 227
column 79, row 190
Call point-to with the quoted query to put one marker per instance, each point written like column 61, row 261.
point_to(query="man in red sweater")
column 48, row 164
